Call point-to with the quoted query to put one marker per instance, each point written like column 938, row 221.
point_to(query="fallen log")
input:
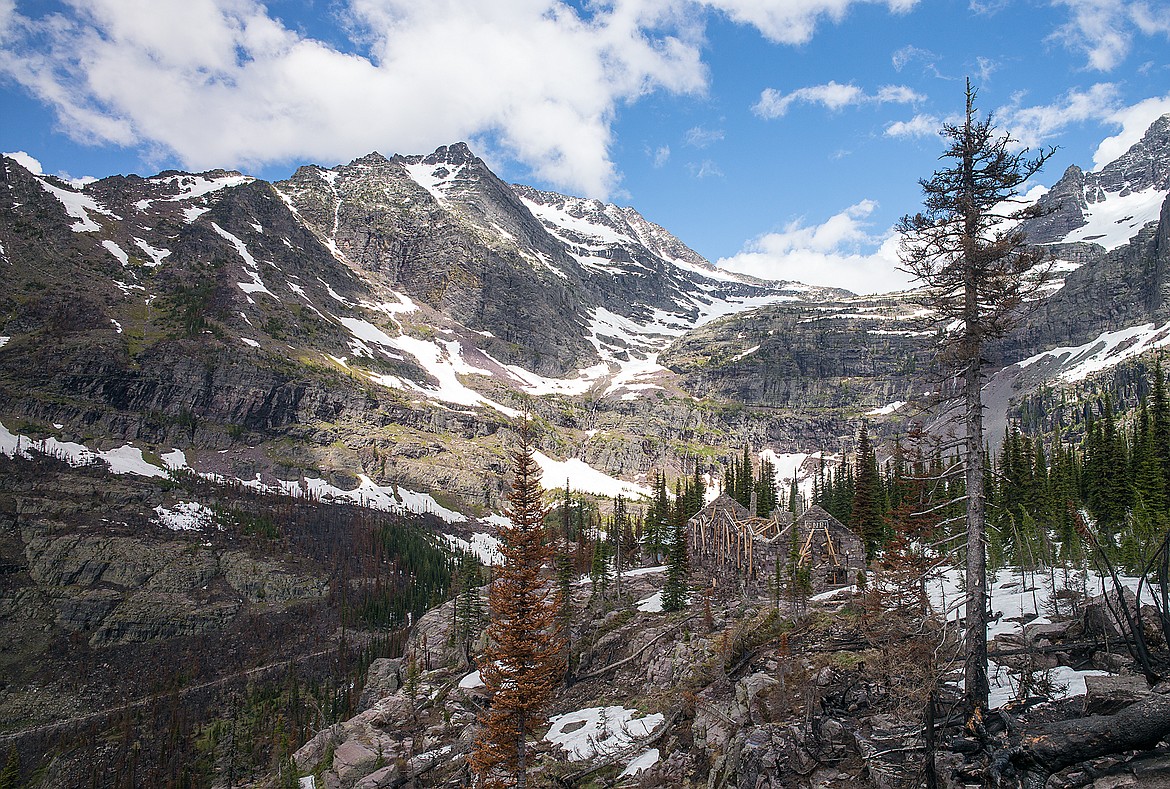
column 1054, row 746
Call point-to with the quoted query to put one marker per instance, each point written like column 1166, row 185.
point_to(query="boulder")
column 1040, row 634
column 380, row 779
column 352, row 760
column 312, row 752
column 1105, row 695
column 753, row 694
column 382, row 679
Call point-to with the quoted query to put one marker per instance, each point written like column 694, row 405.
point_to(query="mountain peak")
column 456, row 153
column 371, row 159
column 1144, row 166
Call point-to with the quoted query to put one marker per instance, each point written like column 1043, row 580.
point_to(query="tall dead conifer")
column 524, row 660
column 966, row 247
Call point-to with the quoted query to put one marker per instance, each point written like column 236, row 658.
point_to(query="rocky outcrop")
column 1146, row 165
column 465, row 247
column 126, row 589
column 810, row 358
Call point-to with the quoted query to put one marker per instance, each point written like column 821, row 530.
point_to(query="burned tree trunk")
column 1055, row 746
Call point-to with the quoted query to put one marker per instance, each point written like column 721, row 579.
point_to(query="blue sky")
column 782, row 138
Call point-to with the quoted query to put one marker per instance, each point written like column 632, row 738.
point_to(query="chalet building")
column 741, row 552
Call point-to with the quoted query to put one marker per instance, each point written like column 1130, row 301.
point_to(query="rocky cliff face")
column 445, row 231
column 368, row 319
column 1107, row 231
column 1077, row 197
column 388, row 316
column 832, row 358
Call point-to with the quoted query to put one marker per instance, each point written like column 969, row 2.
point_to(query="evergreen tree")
column 766, row 498
column 674, row 591
column 1160, row 420
column 564, row 564
column 524, row 657
column 619, row 523
column 1149, row 480
column 799, row 577
column 600, row 568
column 567, row 514
column 468, row 610
column 658, row 521
column 690, row 493
column 744, row 479
column 867, row 516
column 977, row 276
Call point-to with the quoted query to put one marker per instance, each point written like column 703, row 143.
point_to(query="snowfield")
column 1019, row 598
column 1108, row 350
column 600, row 731
column 1115, row 220
column 128, row 459
column 584, row 478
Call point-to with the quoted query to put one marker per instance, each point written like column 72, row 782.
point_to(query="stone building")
column 739, row 552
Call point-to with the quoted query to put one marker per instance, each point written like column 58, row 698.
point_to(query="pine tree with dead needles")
column 524, row 659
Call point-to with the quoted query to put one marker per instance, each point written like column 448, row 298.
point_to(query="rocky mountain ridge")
column 388, row 316
column 199, row 311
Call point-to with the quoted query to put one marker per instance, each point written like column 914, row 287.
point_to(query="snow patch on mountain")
column 435, row 178
column 129, row 459
column 600, row 731
column 887, row 409
column 442, row 360
column 367, row 494
column 534, row 384
column 185, row 516
column 194, row 186
column 1115, row 220
column 714, row 307
column 584, row 478
column 1106, row 350
column 117, row 252
column 643, row 761
column 1017, row 596
column 78, row 205
column 572, row 226
column 482, row 545
column 126, row 459
column 251, row 266
column 155, row 254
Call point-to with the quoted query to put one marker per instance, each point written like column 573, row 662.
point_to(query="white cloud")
column 26, row 161
column 832, row 95
column 698, row 137
column 898, row 94
column 840, row 252
column 1032, row 126
column 909, row 53
column 705, row 169
column 918, row 126
column 661, row 155
column 224, row 83
column 1103, row 30
column 1134, row 120
column 984, row 68
column 793, row 21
